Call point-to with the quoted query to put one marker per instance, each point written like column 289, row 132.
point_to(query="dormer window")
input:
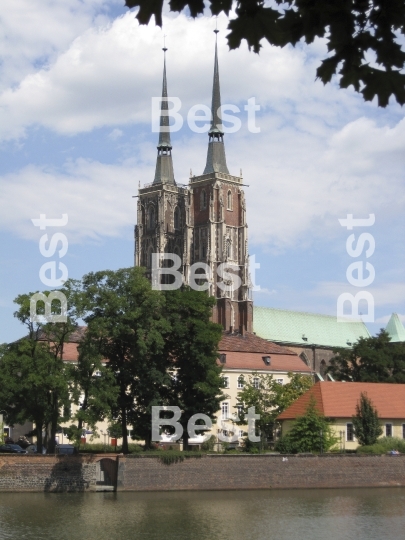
column 266, row 360
column 304, row 337
column 222, row 358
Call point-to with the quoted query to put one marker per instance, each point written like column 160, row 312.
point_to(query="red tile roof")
column 254, row 362
column 250, row 343
column 339, row 399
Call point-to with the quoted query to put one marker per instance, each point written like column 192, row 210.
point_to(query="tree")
column 311, row 432
column 92, row 387
column 373, row 359
column 269, row 398
column 363, row 36
column 365, row 423
column 33, row 381
column 124, row 315
column 192, row 346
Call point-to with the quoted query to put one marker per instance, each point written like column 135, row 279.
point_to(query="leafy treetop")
column 363, row 36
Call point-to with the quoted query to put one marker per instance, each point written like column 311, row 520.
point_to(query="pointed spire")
column 216, row 160
column 164, row 163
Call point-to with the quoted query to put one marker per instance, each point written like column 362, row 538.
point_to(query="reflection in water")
column 361, row 514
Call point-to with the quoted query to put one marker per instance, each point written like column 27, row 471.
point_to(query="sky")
column 76, row 82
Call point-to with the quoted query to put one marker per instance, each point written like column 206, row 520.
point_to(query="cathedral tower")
column 218, row 211
column 161, row 204
column 202, row 223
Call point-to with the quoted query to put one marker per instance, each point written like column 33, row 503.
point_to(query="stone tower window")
column 177, row 220
column 151, row 217
column 203, row 200
column 229, row 200
column 228, row 249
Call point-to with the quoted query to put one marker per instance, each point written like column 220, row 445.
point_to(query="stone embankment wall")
column 47, row 473
column 261, row 472
column 213, row 472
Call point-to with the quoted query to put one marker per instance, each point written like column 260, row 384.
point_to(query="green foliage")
column 269, row 398
column 310, row 433
column 365, row 423
column 354, row 32
column 373, row 359
column 125, row 321
column 192, row 346
column 33, row 377
column 209, row 445
column 384, row 445
column 92, row 387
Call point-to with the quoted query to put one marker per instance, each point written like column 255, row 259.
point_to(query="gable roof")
column 289, row 327
column 395, row 329
column 339, row 399
column 254, row 362
column 250, row 343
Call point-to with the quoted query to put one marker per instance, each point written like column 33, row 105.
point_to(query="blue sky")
column 76, row 83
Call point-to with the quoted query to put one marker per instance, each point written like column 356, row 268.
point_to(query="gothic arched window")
column 177, row 224
column 149, row 258
column 203, row 200
column 151, row 217
column 229, row 200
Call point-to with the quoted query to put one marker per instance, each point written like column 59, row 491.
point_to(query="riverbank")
column 110, row 472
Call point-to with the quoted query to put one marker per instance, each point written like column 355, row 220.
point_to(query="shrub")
column 209, row 445
column 383, row 445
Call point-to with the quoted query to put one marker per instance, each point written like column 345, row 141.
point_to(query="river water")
column 329, row 514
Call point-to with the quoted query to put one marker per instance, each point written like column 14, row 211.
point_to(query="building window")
column 177, row 218
column 349, row 432
column 225, row 410
column 388, row 430
column 256, row 382
column 403, row 431
column 241, row 382
column 280, row 381
column 203, row 200
column 226, row 382
column 151, row 217
column 241, row 434
column 229, row 200
column 239, row 409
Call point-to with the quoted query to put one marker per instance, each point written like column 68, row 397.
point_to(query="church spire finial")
column 216, row 160
column 164, row 164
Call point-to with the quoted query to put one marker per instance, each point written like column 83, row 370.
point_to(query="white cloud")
column 115, row 134
column 34, row 32
column 385, row 294
column 97, row 198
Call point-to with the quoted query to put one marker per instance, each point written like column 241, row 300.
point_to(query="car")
column 65, row 449
column 11, row 449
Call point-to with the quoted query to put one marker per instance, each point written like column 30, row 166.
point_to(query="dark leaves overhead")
column 363, row 36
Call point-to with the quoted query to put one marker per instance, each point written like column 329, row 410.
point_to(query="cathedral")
column 201, row 222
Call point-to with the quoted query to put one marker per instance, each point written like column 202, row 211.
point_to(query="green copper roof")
column 395, row 329
column 280, row 325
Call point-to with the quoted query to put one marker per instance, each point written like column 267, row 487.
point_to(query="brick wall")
column 261, row 472
column 47, row 473
column 78, row 473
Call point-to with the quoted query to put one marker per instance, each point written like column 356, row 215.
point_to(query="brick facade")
column 221, row 472
column 211, row 472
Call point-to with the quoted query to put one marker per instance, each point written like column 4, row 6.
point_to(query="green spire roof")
column 395, row 329
column 295, row 327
